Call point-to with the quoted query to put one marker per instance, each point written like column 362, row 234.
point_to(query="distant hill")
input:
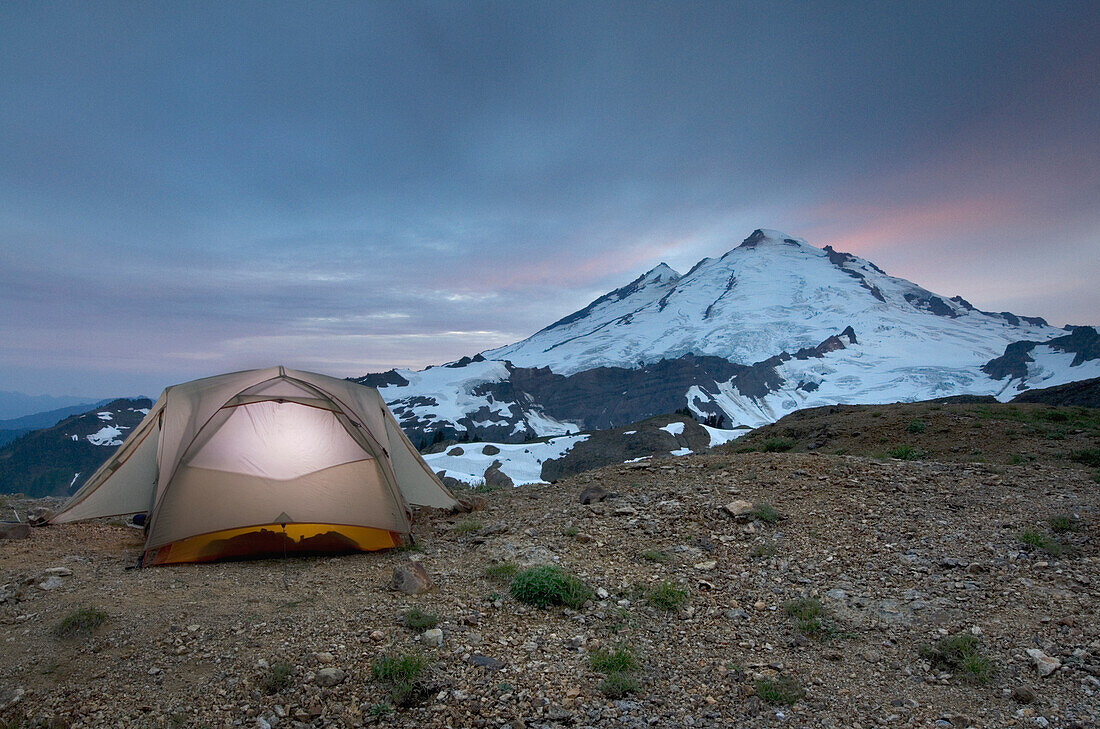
column 1085, row 393
column 53, row 461
column 977, row 432
column 18, row 404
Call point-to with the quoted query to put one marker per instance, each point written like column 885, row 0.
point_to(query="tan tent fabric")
column 248, row 453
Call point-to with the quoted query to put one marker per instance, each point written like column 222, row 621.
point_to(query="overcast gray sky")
column 193, row 187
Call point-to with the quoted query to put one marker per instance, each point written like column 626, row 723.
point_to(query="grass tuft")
column 808, row 614
column 656, row 555
column 779, row 691
column 666, row 596
column 80, row 623
column 962, row 654
column 503, row 572
column 549, row 585
column 765, row 512
column 777, row 445
column 467, row 527
column 916, row 426
column 405, row 676
column 1042, row 541
column 1062, row 523
column 611, row 660
column 618, row 685
column 276, row 678
column 417, row 619
column 904, row 453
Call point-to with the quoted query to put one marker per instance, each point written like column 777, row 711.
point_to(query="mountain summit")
column 773, row 325
column 771, row 294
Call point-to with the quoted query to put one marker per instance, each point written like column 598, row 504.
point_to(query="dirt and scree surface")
column 899, row 554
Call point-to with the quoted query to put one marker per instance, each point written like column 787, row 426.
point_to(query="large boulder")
column 495, row 477
column 39, row 516
column 411, row 578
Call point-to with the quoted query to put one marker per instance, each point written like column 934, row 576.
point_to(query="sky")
column 188, row 188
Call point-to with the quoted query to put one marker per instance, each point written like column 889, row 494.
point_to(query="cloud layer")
column 187, row 189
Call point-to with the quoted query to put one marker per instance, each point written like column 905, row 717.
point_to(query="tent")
column 263, row 462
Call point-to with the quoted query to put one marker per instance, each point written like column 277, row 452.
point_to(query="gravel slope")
column 899, row 554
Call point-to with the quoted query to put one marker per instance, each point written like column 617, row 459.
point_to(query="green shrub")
column 765, row 512
column 503, row 572
column 619, row 665
column 380, row 710
column 613, row 660
column 1062, row 523
column 570, row 532
column 276, row 678
column 618, row 685
column 767, row 549
column 656, row 555
column 549, row 585
column 960, row 653
column 779, row 691
column 405, row 676
column 417, row 619
column 904, row 453
column 80, row 623
column 1089, row 457
column 469, row 526
column 808, row 614
column 1042, row 541
column 777, row 445
column 915, row 426
column 666, row 596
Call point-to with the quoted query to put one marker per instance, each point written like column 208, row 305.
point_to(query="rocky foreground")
column 829, row 609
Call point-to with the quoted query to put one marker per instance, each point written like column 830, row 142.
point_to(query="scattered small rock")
column 738, row 508
column 330, row 676
column 1023, row 694
column 492, row 664
column 592, row 495
column 1044, row 664
column 432, row 637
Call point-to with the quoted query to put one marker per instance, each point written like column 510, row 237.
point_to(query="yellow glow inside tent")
column 273, row 539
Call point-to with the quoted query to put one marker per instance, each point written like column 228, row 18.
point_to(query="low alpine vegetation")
column 80, row 623
column 276, row 678
column 1062, row 523
column 960, row 653
column 618, row 665
column 904, row 453
column 915, row 426
column 656, row 555
column 1042, row 541
column 777, row 445
column 765, row 512
column 808, row 614
column 548, row 585
column 404, row 675
column 666, row 596
column 502, row 572
column 469, row 526
column 779, row 691
column 417, row 619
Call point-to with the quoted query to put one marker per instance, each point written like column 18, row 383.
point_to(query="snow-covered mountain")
column 772, row 326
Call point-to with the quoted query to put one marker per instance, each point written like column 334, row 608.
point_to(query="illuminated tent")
column 263, row 462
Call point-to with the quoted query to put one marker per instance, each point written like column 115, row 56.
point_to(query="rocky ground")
column 897, row 556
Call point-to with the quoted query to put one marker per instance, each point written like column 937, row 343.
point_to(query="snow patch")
column 629, row 432
column 719, row 436
column 681, row 452
column 106, row 415
column 673, row 428
column 521, row 462
column 108, row 435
